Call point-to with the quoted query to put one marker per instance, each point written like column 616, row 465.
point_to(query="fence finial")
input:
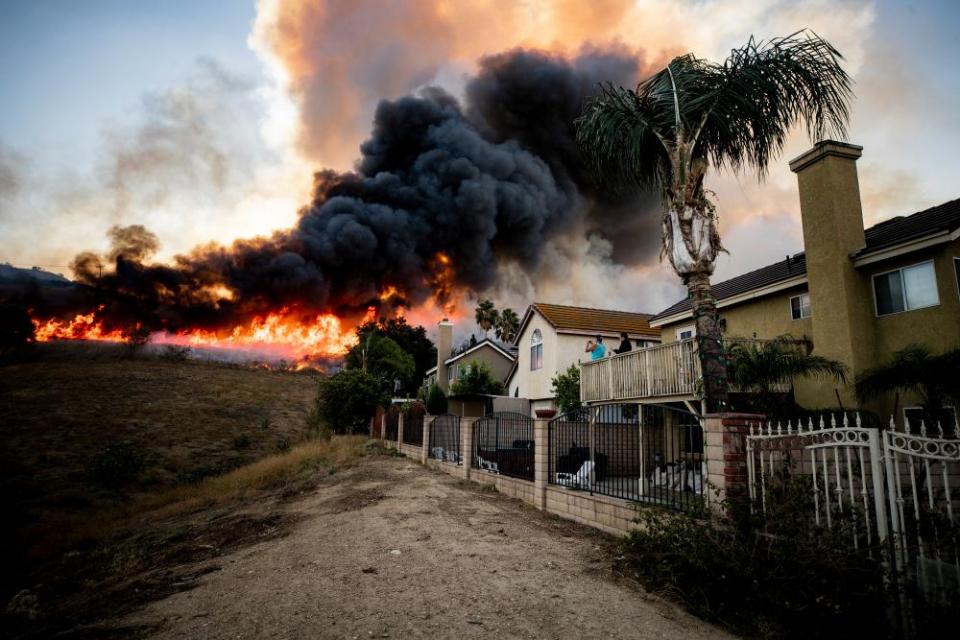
column 940, row 428
column 833, row 421
column 893, row 423
column 789, row 428
column 846, row 421
column 822, row 425
column 923, row 428
column 810, row 424
column 858, row 421
column 779, row 428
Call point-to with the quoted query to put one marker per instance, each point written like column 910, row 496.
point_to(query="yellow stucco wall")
column 763, row 317
column 937, row 327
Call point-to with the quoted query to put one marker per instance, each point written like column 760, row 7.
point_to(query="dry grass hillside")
column 114, row 466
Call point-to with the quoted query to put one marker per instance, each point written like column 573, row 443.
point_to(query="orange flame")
column 282, row 332
column 82, row 327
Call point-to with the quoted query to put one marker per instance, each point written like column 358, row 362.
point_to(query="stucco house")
column 857, row 295
column 552, row 337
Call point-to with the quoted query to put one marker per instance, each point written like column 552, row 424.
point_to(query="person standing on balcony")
column 596, row 348
column 625, row 345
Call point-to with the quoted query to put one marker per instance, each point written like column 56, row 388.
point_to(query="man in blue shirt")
column 596, row 348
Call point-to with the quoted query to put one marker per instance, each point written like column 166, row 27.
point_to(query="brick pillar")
column 541, row 461
column 425, row 454
column 383, row 425
column 725, row 449
column 399, row 430
column 466, row 445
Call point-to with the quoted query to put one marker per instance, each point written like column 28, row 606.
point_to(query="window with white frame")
column 800, row 306
column 536, row 350
column 685, row 333
column 913, row 287
column 451, row 373
column 946, row 418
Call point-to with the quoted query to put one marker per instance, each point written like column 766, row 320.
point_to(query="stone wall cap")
column 823, row 149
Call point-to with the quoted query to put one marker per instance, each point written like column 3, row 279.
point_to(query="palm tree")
column 667, row 132
column 934, row 378
column 762, row 367
column 507, row 325
column 486, row 315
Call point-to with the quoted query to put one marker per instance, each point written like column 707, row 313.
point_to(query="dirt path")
column 396, row 550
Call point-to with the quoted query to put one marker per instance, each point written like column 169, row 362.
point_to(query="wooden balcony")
column 663, row 372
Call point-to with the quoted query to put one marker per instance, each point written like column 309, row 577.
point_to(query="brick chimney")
column 444, row 349
column 840, row 299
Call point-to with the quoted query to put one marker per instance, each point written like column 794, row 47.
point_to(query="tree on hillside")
column 346, row 401
column 411, row 339
column 508, row 323
column 477, row 379
column 934, row 378
column 665, row 134
column 762, row 367
column 382, row 358
column 486, row 315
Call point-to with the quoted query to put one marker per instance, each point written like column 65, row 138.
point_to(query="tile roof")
column 600, row 320
column 944, row 217
column 792, row 267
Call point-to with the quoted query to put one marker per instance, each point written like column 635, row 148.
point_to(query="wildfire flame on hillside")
column 283, row 333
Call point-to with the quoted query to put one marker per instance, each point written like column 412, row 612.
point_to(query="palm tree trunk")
column 713, row 365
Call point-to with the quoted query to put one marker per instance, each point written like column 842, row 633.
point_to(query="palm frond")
column 762, row 366
column 620, row 137
column 747, row 105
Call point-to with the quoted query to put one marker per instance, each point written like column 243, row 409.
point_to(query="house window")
column 536, row 350
column 685, row 333
column 800, row 306
column 947, row 417
column 913, row 287
column 451, row 373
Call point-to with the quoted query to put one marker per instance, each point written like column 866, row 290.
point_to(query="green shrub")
column 436, row 401
column 282, row 445
column 115, row 466
column 566, row 388
column 346, row 401
column 799, row 582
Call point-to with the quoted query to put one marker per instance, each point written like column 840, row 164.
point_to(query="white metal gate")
column 896, row 489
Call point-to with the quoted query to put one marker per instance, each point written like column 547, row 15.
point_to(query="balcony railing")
column 661, row 371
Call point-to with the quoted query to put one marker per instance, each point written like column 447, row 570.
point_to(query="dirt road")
column 393, row 550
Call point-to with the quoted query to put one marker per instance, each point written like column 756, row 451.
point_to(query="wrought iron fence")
column 649, row 454
column 413, row 425
column 445, row 438
column 503, row 443
column 892, row 491
column 392, row 423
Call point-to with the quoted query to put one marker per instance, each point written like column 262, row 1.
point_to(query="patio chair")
column 492, row 467
column 438, row 452
column 576, row 480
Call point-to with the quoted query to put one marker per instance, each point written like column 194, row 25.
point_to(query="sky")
column 204, row 120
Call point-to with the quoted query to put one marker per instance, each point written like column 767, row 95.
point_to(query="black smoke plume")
column 489, row 181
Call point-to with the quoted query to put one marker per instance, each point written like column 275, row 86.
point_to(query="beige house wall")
column 499, row 365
